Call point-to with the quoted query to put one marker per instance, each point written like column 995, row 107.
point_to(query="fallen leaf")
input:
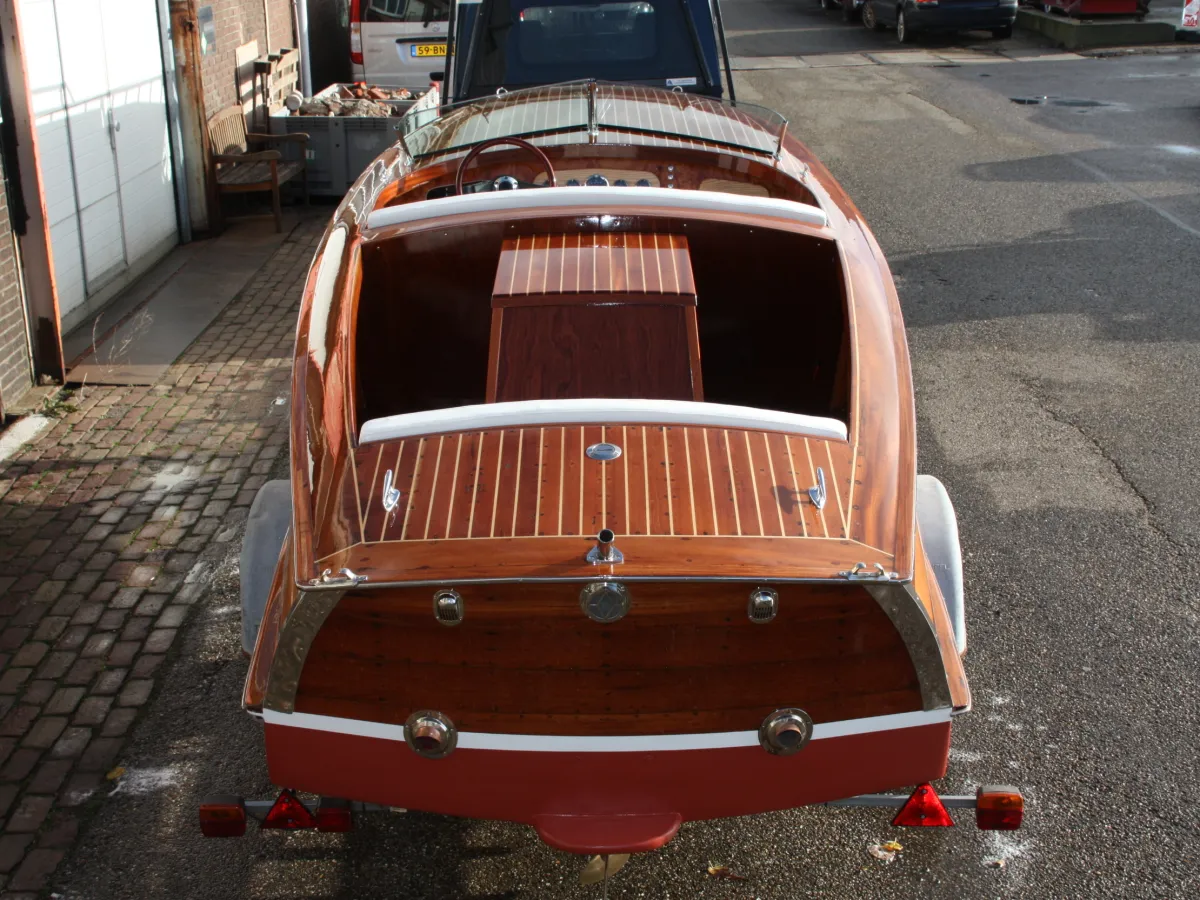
column 716, row 870
column 894, row 846
column 997, row 863
column 881, row 853
column 594, row 871
column 115, row 773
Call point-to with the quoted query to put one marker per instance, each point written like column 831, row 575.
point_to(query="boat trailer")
column 997, row 808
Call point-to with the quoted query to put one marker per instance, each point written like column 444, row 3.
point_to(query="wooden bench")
column 235, row 169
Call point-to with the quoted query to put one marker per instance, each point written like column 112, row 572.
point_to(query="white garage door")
column 95, row 73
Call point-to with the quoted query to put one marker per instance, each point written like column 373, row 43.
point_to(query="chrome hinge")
column 343, row 579
column 863, row 572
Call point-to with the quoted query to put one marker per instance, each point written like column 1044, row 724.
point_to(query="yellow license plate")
column 419, row 50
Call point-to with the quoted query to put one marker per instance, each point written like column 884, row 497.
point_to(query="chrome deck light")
column 430, row 734
column 785, row 731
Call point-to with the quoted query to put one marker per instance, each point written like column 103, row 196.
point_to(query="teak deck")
column 668, row 481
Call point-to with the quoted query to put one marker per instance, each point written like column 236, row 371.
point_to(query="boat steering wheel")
column 551, row 181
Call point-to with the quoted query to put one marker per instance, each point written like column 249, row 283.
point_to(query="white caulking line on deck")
column 687, row 453
column 517, row 489
column 512, row 259
column 658, row 261
column 437, row 467
column 712, row 493
column 562, row 468
column 408, row 507
column 667, row 472
column 642, row 261
column 812, row 473
column 774, row 484
column 737, row 515
column 837, row 491
column 396, row 469
column 374, row 481
column 537, row 509
column 529, row 264
column 475, row 485
column 453, row 483
column 496, row 490
column 796, row 487
column 625, row 470
column 754, row 485
column 546, row 266
column 674, row 265
column 646, row 477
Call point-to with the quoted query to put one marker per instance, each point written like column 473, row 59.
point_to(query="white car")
column 398, row 43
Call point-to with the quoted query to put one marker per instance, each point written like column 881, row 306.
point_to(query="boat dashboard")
column 533, row 167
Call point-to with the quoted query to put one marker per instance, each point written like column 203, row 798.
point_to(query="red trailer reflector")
column 223, row 816
column 999, row 807
column 334, row 815
column 923, row 808
column 289, row 813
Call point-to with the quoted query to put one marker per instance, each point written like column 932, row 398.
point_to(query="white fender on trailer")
column 939, row 534
column 266, row 527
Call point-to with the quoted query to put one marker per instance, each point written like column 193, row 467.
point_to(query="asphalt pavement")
column 1046, row 253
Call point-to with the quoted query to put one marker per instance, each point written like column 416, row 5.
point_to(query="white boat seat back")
column 599, row 201
column 485, row 416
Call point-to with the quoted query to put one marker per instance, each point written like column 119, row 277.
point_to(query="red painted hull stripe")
column 522, row 786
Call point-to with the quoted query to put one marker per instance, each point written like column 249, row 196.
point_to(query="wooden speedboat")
column 604, row 512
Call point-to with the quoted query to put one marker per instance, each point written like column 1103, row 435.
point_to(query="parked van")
column 398, row 43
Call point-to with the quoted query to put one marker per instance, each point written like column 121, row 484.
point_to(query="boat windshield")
column 611, row 113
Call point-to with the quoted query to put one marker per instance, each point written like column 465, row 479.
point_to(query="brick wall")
column 239, row 22
column 15, row 373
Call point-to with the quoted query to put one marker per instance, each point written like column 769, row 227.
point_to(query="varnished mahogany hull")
column 686, row 659
column 617, row 791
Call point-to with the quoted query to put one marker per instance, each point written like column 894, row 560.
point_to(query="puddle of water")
column 1058, row 101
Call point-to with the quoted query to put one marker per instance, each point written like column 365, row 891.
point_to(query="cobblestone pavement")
column 110, row 522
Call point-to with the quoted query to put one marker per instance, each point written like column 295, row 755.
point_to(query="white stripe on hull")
column 634, row 743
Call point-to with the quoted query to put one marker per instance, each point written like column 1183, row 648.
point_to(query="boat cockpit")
column 560, row 264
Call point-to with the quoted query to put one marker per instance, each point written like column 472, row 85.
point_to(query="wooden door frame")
column 36, row 255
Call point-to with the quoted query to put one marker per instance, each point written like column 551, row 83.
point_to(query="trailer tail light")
column 289, row 813
column 334, row 815
column 924, row 808
column 999, row 807
column 356, row 54
column 223, row 816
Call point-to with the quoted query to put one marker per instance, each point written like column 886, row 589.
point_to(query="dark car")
column 910, row 17
column 851, row 9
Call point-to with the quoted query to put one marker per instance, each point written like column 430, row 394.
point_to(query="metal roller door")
column 96, row 79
